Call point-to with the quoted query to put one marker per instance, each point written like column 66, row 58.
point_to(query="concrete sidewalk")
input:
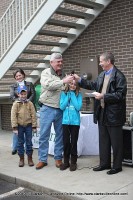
column 81, row 184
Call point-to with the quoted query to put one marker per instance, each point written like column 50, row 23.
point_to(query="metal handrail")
column 15, row 20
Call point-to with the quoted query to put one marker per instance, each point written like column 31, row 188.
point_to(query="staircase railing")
column 15, row 20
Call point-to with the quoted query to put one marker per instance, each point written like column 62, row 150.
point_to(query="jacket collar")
column 53, row 72
column 112, row 78
column 113, row 74
column 25, row 83
column 101, row 78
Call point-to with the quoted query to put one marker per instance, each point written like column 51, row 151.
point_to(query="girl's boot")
column 73, row 165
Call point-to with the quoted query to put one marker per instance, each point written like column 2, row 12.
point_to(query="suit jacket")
column 114, row 99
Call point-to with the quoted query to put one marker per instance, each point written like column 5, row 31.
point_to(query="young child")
column 23, row 120
column 70, row 103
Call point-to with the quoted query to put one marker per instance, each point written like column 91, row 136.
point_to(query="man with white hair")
column 52, row 82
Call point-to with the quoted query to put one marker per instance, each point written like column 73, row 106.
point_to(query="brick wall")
column 6, row 116
column 3, row 6
column 111, row 31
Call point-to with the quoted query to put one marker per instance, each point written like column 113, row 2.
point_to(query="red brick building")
column 111, row 31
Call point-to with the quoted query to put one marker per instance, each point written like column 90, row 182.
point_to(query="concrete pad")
column 84, row 183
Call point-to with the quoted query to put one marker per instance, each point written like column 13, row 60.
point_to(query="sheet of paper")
column 93, row 94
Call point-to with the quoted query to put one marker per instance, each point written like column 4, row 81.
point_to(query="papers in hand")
column 93, row 94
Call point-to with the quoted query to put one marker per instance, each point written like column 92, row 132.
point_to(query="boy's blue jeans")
column 25, row 136
column 47, row 116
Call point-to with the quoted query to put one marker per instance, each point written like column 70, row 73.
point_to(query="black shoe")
column 114, row 171
column 101, row 168
column 14, row 152
column 64, row 166
column 73, row 167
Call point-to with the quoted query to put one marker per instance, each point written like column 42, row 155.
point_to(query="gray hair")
column 108, row 56
column 55, row 56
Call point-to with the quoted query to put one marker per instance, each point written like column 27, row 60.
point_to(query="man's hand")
column 76, row 77
column 68, row 79
column 98, row 95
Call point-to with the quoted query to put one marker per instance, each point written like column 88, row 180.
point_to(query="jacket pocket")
column 114, row 115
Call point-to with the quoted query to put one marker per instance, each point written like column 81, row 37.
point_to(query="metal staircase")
column 30, row 30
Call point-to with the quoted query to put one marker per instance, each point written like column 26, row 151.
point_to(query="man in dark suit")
column 109, row 111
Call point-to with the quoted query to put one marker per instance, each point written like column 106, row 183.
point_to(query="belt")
column 25, row 125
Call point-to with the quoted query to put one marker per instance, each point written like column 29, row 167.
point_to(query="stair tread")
column 65, row 23
column 73, row 13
